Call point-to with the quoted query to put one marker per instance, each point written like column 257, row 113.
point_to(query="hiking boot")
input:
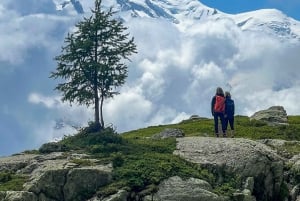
column 224, row 135
column 217, row 134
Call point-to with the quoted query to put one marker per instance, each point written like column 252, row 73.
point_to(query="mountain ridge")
column 271, row 21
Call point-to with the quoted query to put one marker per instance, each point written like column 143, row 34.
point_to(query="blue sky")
column 289, row 7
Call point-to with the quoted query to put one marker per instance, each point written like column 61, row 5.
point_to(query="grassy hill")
column 141, row 162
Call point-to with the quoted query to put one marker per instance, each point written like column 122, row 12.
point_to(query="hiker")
column 218, row 109
column 229, row 113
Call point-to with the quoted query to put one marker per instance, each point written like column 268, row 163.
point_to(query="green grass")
column 243, row 128
column 11, row 182
column 141, row 162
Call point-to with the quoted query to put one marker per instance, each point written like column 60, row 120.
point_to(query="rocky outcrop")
column 260, row 167
column 55, row 177
column 18, row 196
column 242, row 157
column 169, row 132
column 177, row 189
column 275, row 115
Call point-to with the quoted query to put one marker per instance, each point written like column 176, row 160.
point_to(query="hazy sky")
column 289, row 7
column 173, row 76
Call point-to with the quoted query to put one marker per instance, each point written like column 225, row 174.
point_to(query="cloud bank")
column 173, row 76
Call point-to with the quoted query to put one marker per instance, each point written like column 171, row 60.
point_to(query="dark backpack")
column 219, row 104
column 229, row 107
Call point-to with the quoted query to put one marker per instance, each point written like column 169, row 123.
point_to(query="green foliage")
column 11, row 182
column 243, row 128
column 52, row 147
column 284, row 191
column 230, row 184
column 141, row 162
column 34, row 151
column 146, row 162
column 117, row 160
column 105, row 141
column 92, row 61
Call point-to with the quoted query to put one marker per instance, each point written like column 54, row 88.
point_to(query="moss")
column 11, row 182
column 141, row 163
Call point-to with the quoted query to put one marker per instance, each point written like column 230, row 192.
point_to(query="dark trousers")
column 217, row 116
column 230, row 120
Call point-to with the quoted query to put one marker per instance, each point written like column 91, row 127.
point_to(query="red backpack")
column 219, row 104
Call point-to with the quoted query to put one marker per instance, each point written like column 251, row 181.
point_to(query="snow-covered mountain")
column 187, row 12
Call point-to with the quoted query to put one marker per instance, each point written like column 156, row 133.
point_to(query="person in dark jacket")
column 229, row 112
column 218, row 110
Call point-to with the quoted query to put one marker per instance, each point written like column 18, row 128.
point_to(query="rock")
column 281, row 146
column 16, row 162
column 17, row 196
column 121, row 195
column 194, row 117
column 86, row 180
column 245, row 195
column 62, row 180
column 294, row 193
column 238, row 156
column 176, row 189
column 169, row 132
column 52, row 147
column 275, row 115
column 54, row 177
column 249, row 184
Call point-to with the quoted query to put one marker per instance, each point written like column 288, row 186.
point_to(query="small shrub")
column 118, row 160
column 11, row 182
column 87, row 141
column 52, row 147
column 5, row 177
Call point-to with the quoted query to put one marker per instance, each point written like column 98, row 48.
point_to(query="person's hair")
column 219, row 91
column 227, row 94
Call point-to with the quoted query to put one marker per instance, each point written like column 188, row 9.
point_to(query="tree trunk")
column 97, row 119
column 101, row 111
column 97, row 110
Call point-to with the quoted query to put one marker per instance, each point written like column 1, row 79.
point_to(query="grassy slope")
column 243, row 126
column 140, row 162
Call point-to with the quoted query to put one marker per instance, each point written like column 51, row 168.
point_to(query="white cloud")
column 173, row 76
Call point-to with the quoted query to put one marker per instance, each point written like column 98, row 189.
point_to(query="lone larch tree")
column 92, row 61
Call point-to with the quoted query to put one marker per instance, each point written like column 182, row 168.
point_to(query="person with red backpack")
column 218, row 110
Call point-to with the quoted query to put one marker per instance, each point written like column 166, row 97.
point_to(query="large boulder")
column 177, row 189
column 62, row 180
column 242, row 157
column 274, row 115
column 55, row 177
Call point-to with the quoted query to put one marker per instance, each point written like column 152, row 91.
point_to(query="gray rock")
column 249, row 184
column 294, row 193
column 239, row 156
column 85, row 180
column 194, row 117
column 17, row 196
column 121, row 195
column 169, row 132
column 176, row 189
column 54, row 177
column 245, row 195
column 275, row 115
